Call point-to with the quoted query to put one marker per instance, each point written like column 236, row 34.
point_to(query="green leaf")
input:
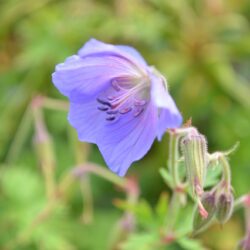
column 142, row 211
column 213, row 175
column 162, row 207
column 190, row 244
column 140, row 241
column 184, row 222
column 21, row 185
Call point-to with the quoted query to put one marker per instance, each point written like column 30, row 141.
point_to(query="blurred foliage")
column 201, row 46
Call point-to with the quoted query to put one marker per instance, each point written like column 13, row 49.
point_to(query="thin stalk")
column 100, row 171
column 174, row 157
column 173, row 164
column 82, row 151
column 20, row 136
column 45, row 152
column 87, row 214
column 226, row 172
column 54, row 104
column 241, row 201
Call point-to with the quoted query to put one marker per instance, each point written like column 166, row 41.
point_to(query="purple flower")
column 116, row 101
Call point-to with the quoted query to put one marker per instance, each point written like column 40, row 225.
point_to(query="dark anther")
column 112, row 112
column 110, row 118
column 103, row 108
column 103, row 102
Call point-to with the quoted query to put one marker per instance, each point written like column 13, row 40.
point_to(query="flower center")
column 125, row 95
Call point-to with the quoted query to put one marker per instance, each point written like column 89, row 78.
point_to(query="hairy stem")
column 174, row 157
column 226, row 172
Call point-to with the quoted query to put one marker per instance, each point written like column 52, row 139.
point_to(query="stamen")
column 112, row 112
column 110, row 118
column 111, row 97
column 139, row 102
column 103, row 108
column 115, row 85
column 125, row 110
column 124, row 82
column 103, row 102
column 138, row 112
column 132, row 96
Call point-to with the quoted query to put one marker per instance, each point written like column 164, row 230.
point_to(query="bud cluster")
column 215, row 204
column 218, row 204
column 219, row 201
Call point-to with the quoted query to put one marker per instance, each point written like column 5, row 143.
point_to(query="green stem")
column 20, row 137
column 50, row 103
column 174, row 157
column 45, row 152
column 82, row 151
column 85, row 185
column 226, row 172
column 173, row 160
column 87, row 214
column 173, row 164
column 239, row 203
column 100, row 171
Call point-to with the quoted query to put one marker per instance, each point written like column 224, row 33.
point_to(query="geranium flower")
column 116, row 101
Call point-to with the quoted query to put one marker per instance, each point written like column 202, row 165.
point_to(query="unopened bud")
column 194, row 149
column 224, row 205
column 200, row 222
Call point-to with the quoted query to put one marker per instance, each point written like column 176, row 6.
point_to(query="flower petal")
column 159, row 93
column 128, row 140
column 86, row 119
column 90, row 75
column 94, row 46
column 132, row 52
column 123, row 131
column 168, row 118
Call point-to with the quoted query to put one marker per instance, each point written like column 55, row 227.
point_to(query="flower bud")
column 200, row 222
column 224, row 205
column 194, row 149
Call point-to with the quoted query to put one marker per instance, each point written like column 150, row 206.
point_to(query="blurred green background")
column 201, row 46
